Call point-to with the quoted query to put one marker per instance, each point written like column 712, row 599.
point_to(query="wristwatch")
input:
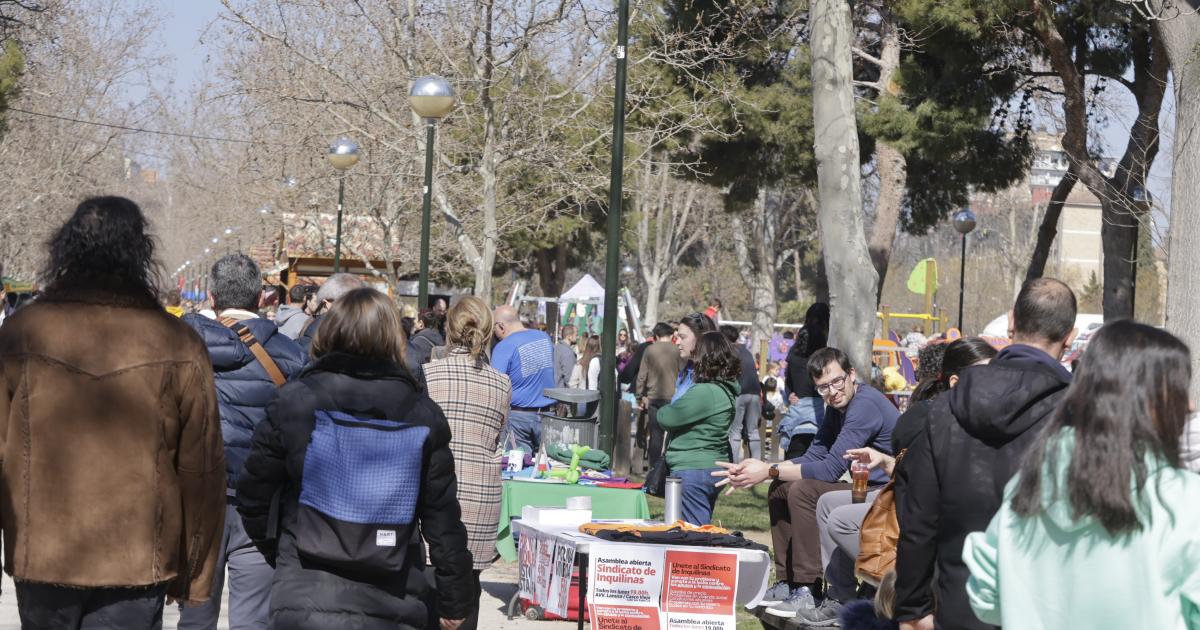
column 773, row 471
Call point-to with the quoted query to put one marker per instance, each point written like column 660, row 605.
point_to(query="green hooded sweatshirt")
column 1056, row 571
column 697, row 424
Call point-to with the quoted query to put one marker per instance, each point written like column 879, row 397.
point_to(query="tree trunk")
column 487, row 166
column 821, row 288
column 1180, row 33
column 756, row 262
column 483, row 270
column 552, row 272
column 654, row 287
column 893, row 169
column 1049, row 228
column 670, row 220
column 852, row 278
column 1119, row 209
column 1122, row 214
column 797, row 277
column 890, row 163
column 1118, row 238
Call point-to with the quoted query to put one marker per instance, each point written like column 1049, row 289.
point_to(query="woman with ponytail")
column 475, row 398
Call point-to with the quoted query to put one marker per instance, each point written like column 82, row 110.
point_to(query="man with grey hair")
column 335, row 287
column 250, row 359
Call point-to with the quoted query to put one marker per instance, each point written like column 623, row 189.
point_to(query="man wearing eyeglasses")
column 856, row 415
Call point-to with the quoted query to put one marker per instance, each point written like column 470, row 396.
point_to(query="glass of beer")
column 860, row 472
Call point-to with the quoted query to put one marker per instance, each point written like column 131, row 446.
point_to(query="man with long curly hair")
column 113, row 472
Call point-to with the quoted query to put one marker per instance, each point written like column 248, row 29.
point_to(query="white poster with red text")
column 642, row 587
column 624, row 586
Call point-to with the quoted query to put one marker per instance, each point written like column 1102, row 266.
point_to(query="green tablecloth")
column 606, row 503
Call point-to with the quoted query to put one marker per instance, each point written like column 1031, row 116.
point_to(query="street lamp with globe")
column 964, row 223
column 432, row 99
column 343, row 154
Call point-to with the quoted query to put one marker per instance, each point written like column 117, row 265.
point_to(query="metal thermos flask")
column 674, row 500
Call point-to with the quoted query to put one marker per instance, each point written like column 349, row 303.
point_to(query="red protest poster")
column 699, row 589
column 610, row 617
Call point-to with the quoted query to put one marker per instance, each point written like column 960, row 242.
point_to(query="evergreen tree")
column 12, row 59
column 945, row 109
column 1074, row 50
column 12, row 63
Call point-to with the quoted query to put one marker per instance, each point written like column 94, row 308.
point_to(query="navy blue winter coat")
column 243, row 387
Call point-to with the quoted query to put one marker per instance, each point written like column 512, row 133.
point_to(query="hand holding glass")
column 860, row 472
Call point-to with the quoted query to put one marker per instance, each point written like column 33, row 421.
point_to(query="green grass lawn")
column 746, row 620
column 744, row 510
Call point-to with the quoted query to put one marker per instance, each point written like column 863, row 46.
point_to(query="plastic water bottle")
column 674, row 500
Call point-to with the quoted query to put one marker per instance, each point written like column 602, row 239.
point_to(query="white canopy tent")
column 586, row 290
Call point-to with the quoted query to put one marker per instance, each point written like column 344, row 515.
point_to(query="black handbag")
column 656, row 477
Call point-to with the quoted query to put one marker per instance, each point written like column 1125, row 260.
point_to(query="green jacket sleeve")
column 693, row 406
column 982, row 557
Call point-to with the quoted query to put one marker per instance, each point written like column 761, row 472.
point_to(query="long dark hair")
column 715, row 359
column 104, row 246
column 816, row 328
column 956, row 355
column 1128, row 400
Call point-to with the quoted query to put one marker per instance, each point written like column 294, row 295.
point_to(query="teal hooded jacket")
column 1056, row 571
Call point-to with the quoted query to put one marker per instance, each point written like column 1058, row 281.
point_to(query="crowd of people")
column 1014, row 488
column 337, row 464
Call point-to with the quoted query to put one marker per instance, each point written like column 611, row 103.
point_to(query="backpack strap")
column 426, row 340
column 256, row 348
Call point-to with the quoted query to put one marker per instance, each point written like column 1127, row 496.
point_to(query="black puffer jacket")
column 243, row 386
column 796, row 378
column 306, row 594
column 956, row 472
column 910, row 428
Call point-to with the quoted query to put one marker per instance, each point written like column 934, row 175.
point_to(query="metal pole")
column 930, row 288
column 962, row 282
column 423, row 282
column 337, row 244
column 612, row 270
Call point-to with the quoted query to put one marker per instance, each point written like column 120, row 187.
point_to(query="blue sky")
column 184, row 22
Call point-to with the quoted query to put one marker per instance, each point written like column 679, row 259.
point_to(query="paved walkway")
column 499, row 584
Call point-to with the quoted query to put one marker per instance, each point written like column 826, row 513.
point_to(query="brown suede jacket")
column 113, row 466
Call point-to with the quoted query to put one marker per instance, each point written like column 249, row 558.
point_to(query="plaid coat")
column 475, row 401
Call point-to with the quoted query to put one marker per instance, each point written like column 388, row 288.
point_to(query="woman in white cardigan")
column 586, row 374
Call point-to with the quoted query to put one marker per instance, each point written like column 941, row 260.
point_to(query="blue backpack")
column 359, row 493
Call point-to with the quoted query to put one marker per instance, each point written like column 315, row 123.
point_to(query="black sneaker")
column 778, row 592
column 825, row 615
